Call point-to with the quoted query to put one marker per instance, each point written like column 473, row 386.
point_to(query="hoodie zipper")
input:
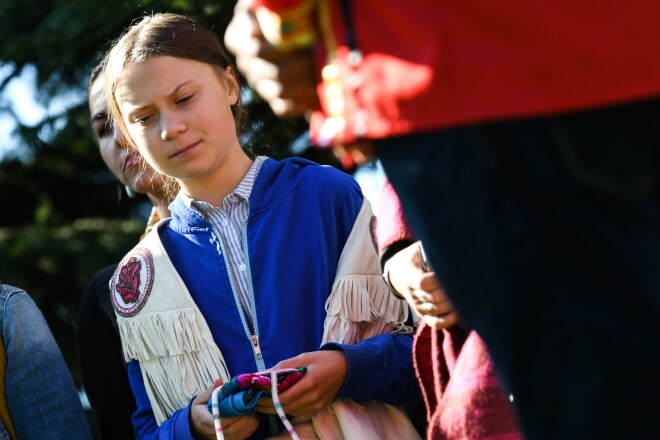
column 256, row 345
column 253, row 337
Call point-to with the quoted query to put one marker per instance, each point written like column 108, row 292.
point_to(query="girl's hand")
column 326, row 373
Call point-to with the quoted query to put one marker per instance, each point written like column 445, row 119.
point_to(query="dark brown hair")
column 95, row 73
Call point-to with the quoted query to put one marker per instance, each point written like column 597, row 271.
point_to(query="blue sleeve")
column 177, row 427
column 380, row 368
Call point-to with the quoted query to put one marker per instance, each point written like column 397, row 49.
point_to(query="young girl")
column 262, row 262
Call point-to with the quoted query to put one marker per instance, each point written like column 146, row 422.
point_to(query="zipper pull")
column 255, row 344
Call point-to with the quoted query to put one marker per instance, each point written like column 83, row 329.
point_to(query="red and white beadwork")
column 372, row 229
column 132, row 282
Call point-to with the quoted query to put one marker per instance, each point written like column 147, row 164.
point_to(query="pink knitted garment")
column 463, row 396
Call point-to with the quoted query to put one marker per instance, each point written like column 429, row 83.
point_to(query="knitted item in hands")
column 239, row 396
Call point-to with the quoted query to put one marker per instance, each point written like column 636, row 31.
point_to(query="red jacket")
column 430, row 64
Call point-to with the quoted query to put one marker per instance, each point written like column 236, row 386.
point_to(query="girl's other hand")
column 201, row 421
column 326, row 373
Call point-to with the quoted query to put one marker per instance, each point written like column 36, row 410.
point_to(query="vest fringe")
column 165, row 333
column 359, row 307
column 174, row 357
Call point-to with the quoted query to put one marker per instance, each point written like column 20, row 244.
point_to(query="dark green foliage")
column 54, row 263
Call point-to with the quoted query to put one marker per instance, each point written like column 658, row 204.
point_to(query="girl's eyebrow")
column 170, row 94
column 176, row 89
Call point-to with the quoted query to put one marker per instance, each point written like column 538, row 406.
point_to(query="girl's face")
column 124, row 162
column 177, row 112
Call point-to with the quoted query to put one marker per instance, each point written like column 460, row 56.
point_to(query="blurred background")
column 63, row 215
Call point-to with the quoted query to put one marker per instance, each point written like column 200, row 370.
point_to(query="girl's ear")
column 231, row 83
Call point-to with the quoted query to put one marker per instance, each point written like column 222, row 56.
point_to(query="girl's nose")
column 172, row 126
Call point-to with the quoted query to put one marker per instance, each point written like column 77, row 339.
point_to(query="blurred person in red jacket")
column 523, row 141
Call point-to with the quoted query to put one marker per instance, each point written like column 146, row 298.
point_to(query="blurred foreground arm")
column 283, row 76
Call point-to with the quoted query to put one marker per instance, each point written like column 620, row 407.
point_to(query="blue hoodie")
column 300, row 216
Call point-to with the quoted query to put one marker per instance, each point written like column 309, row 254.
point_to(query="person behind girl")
column 239, row 279
column 99, row 346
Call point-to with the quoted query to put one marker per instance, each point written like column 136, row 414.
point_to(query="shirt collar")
column 241, row 193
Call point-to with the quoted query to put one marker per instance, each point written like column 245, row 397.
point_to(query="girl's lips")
column 185, row 150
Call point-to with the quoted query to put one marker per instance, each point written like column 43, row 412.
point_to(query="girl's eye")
column 142, row 120
column 185, row 99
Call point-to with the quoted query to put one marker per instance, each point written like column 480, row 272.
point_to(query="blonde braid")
column 153, row 219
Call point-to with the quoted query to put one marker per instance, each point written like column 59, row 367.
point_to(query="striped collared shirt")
column 228, row 221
